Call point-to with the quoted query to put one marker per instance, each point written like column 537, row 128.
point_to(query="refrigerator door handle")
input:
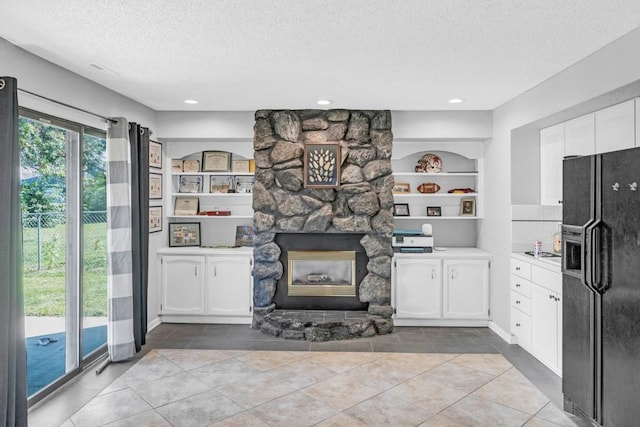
column 585, row 262
column 599, row 257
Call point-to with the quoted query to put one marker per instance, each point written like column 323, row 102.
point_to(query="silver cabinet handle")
column 195, row 270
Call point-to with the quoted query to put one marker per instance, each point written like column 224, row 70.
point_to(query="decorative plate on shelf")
column 429, row 163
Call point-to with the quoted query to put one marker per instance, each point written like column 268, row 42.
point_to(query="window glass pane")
column 44, row 204
column 94, row 242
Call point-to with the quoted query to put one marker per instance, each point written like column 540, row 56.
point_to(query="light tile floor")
column 414, row 377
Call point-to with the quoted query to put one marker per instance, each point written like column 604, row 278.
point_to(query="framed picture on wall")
column 155, row 155
column 400, row 209
column 184, row 234
column 155, row 186
column 322, row 165
column 216, row 161
column 155, row 219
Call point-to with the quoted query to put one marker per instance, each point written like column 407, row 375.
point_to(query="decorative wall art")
column 155, row 186
column 434, row 211
column 190, row 184
column 176, row 165
column 468, row 206
column 187, row 234
column 191, row 166
column 216, row 161
column 155, row 155
column 401, row 209
column 155, row 219
column 322, row 165
column 186, row 206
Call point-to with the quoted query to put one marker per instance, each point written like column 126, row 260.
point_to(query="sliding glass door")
column 64, row 226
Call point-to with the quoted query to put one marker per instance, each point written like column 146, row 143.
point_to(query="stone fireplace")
column 315, row 239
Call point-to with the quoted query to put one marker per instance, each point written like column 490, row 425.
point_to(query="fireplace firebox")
column 321, row 273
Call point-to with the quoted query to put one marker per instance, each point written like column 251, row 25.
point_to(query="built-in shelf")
column 443, row 174
column 211, row 194
column 436, row 217
column 214, row 173
column 399, row 195
column 211, row 216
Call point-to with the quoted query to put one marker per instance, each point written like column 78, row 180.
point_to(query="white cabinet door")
column 544, row 325
column 615, row 127
column 466, row 289
column 551, row 155
column 229, row 285
column 182, row 285
column 580, row 136
column 418, row 288
column 521, row 327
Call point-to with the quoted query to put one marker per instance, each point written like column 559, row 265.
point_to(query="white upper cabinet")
column 551, row 155
column 615, row 127
column 579, row 136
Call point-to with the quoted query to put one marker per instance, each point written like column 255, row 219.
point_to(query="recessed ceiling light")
column 190, row 101
column 456, row 100
column 324, row 101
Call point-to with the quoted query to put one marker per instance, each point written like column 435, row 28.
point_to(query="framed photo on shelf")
column 186, row 206
column 220, row 184
column 401, row 188
column 434, row 211
column 155, row 186
column 190, row 184
column 322, row 165
column 191, row 166
column 155, row 155
column 468, row 206
column 216, row 161
column 244, row 235
column 176, row 165
column 240, row 166
column 155, row 219
column 400, row 209
column 184, row 234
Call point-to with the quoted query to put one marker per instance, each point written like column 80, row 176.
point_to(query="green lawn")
column 44, row 290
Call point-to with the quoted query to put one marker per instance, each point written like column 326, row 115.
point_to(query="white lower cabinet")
column 208, row 288
column 536, row 310
column 226, row 296
column 182, row 285
column 418, row 288
column 441, row 289
column 466, row 289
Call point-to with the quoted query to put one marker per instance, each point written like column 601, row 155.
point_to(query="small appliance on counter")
column 413, row 241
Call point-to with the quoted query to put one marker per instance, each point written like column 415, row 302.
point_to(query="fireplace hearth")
column 354, row 217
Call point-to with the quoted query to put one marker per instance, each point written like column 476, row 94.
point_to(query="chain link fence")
column 44, row 240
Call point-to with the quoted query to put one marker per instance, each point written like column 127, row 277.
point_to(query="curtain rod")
column 69, row 106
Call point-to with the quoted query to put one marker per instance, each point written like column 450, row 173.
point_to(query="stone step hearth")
column 320, row 325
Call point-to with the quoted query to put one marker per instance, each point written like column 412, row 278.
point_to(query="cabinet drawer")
column 521, row 327
column 547, row 279
column 521, row 268
column 520, row 285
column 520, row 302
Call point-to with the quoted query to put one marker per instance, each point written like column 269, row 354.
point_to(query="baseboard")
column 462, row 323
column 153, row 324
column 231, row 320
column 510, row 339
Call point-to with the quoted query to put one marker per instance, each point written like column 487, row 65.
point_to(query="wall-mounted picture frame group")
column 468, row 206
column 216, row 161
column 184, row 234
column 322, row 165
column 401, row 209
column 186, row 206
column 434, row 211
column 190, row 184
column 155, row 219
column 155, row 155
column 155, row 186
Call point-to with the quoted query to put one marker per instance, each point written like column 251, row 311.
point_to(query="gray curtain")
column 13, row 358
column 128, row 231
column 139, row 142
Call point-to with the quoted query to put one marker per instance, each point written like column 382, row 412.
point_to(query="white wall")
column 44, row 78
column 614, row 66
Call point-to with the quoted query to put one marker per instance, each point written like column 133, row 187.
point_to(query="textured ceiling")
column 247, row 55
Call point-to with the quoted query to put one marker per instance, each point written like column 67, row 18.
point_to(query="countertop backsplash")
column 534, row 222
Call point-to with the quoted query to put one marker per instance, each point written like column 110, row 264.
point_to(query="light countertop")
column 550, row 263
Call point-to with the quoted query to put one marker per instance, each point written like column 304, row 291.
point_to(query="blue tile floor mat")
column 46, row 355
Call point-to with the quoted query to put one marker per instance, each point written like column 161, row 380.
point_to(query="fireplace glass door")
column 321, row 273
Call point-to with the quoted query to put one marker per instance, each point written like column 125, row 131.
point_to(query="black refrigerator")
column 601, row 288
